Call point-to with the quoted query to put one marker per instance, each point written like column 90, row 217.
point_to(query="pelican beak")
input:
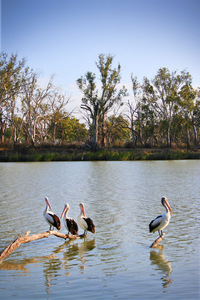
column 169, row 208
column 83, row 210
column 47, row 202
column 65, row 208
column 62, row 213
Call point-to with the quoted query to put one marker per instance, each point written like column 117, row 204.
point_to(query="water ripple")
column 121, row 198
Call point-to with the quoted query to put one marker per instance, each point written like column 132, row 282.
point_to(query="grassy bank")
column 34, row 154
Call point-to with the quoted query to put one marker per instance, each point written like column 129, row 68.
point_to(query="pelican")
column 69, row 223
column 159, row 223
column 50, row 217
column 85, row 223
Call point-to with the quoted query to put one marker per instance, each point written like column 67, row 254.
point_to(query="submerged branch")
column 26, row 239
column 158, row 240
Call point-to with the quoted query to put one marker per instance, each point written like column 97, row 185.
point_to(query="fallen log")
column 158, row 240
column 26, row 239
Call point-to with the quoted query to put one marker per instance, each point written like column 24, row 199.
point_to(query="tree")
column 110, row 94
column 130, row 117
column 34, row 106
column 98, row 104
column 163, row 96
column 11, row 82
column 189, row 108
column 133, row 112
column 90, row 103
column 196, row 118
column 69, row 129
column 117, row 130
column 57, row 104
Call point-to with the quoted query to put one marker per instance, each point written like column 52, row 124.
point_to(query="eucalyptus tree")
column 163, row 95
column 140, row 115
column 190, row 111
column 69, row 129
column 110, row 94
column 34, row 105
column 117, row 130
column 99, row 103
column 14, row 119
column 196, row 118
column 90, row 103
column 57, row 110
column 129, row 115
column 133, row 112
column 12, row 73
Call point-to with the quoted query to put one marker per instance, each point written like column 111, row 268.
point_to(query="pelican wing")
column 49, row 218
column 155, row 223
column 72, row 226
column 53, row 220
column 90, row 225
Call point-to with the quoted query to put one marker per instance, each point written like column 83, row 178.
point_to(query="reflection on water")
column 22, row 265
column 157, row 258
column 73, row 253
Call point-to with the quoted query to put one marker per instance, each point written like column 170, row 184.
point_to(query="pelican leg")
column 161, row 233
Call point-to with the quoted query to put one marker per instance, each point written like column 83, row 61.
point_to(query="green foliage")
column 117, row 130
column 71, row 130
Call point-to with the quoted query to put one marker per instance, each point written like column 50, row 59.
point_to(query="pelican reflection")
column 64, row 256
column 157, row 258
column 78, row 251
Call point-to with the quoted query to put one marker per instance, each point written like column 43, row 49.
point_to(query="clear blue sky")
column 65, row 37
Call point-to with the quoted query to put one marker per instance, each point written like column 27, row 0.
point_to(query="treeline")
column 164, row 111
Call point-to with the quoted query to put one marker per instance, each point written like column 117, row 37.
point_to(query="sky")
column 65, row 37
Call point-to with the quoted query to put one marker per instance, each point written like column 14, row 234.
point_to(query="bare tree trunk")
column 140, row 127
column 169, row 136
column 26, row 239
column 95, row 127
column 54, row 133
column 103, row 133
column 188, row 138
column 195, row 135
column 3, row 127
column 134, row 138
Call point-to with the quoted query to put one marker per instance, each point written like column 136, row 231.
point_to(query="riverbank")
column 30, row 154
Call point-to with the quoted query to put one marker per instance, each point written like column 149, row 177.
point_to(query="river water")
column 116, row 262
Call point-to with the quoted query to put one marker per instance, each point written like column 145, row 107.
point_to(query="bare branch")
column 158, row 240
column 26, row 239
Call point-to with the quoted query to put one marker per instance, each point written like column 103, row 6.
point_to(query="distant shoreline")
column 40, row 154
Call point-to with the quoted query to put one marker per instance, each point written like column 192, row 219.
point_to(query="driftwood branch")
column 26, row 239
column 158, row 240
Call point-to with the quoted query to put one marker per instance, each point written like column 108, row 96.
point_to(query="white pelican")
column 159, row 223
column 85, row 223
column 69, row 223
column 50, row 217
